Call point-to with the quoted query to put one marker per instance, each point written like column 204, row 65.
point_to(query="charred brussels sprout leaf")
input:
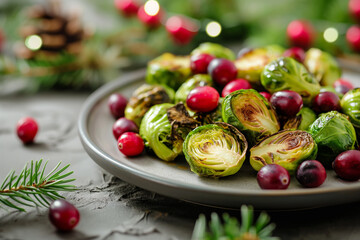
column 195, row 81
column 215, row 150
column 287, row 74
column 334, row 134
column 168, row 70
column 323, row 66
column 302, row 120
column 211, row 117
column 251, row 113
column 286, row 148
column 350, row 105
column 214, row 49
column 251, row 64
column 145, row 97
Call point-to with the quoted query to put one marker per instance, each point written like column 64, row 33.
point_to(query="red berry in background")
column 347, row 165
column 266, row 95
column 300, row 34
column 150, row 14
column 342, row 86
column 123, row 125
column 353, row 38
column 63, row 215
column 286, row 103
column 325, row 102
column 311, row 173
column 127, row 7
column 222, row 71
column 235, row 85
column 117, row 104
column 273, row 176
column 181, row 29
column 2, row 39
column 354, row 9
column 26, row 129
column 130, row 144
column 203, row 99
column 199, row 62
column 295, row 52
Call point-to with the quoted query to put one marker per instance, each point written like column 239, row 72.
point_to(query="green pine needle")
column 32, row 187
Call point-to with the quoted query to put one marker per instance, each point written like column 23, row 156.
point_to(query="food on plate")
column 302, row 120
column 214, row 49
column 198, row 80
column 350, row 105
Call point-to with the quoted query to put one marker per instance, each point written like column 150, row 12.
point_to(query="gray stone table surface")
column 111, row 208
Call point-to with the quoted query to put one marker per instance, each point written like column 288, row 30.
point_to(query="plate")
column 175, row 179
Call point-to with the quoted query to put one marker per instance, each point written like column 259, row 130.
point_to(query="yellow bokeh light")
column 152, row 7
column 33, row 42
column 331, row 35
column 213, row 29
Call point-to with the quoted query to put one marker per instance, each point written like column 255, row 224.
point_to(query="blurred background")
column 80, row 45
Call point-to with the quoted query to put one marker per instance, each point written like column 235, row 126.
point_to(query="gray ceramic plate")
column 177, row 181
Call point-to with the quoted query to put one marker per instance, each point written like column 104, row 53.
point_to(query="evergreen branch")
column 30, row 188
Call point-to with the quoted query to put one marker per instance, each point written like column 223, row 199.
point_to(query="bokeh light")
column 213, row 29
column 33, row 42
column 152, row 7
column 331, row 35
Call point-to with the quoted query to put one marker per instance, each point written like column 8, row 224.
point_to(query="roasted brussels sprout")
column 287, row 74
column 302, row 120
column 144, row 97
column 251, row 63
column 195, row 81
column 323, row 66
column 251, row 113
column 214, row 49
column 168, row 70
column 350, row 105
column 334, row 134
column 286, row 148
column 215, row 150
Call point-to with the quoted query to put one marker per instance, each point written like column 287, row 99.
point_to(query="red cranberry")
column 199, row 62
column 295, row 52
column 273, row 176
column 123, row 125
column 354, row 9
column 127, row 7
column 222, row 71
column 181, row 29
column 325, row 102
column 117, row 104
column 286, row 103
column 300, row 34
column 266, row 95
column 2, row 39
column 311, row 173
column 26, row 129
column 353, row 38
column 203, row 99
column 130, row 144
column 152, row 18
column 343, row 82
column 63, row 215
column 235, row 85
column 347, row 165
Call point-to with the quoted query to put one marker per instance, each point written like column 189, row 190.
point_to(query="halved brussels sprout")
column 145, row 97
column 251, row 64
column 334, row 134
column 193, row 82
column 214, row 49
column 286, row 148
column 287, row 74
column 303, row 119
column 324, row 66
column 350, row 105
column 168, row 70
column 215, row 150
column 251, row 113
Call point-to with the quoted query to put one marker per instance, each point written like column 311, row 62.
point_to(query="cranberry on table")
column 63, row 215
column 130, row 144
column 181, row 29
column 295, row 52
column 347, row 165
column 203, row 99
column 150, row 14
column 354, row 9
column 266, row 95
column 222, row 71
column 117, row 104
column 127, row 7
column 199, row 62
column 325, row 102
column 273, row 176
column 26, row 129
column 342, row 86
column 353, row 38
column 235, row 85
column 311, row 173
column 300, row 34
column 123, row 125
column 286, row 103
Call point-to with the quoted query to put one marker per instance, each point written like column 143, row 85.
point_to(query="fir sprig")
column 32, row 187
column 231, row 229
